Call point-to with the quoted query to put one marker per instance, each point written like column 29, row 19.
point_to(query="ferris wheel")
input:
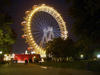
column 42, row 24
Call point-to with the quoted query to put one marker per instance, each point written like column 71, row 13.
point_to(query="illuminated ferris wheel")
column 42, row 24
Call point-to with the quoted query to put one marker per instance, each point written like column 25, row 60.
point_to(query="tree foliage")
column 7, row 35
column 87, row 19
column 86, row 25
column 60, row 48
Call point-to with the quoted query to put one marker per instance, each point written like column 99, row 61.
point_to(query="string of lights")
column 28, row 35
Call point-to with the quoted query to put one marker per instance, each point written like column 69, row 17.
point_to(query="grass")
column 91, row 66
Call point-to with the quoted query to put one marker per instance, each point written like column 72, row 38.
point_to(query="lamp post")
column 81, row 56
column 98, row 56
column 0, row 52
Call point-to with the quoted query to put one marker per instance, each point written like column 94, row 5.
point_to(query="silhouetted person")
column 26, row 61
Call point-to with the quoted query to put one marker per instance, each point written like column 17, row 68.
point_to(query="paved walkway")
column 32, row 69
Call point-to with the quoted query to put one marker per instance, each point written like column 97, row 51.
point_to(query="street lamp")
column 81, row 56
column 98, row 56
column 0, row 52
column 26, row 52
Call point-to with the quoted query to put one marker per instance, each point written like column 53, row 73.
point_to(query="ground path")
column 33, row 69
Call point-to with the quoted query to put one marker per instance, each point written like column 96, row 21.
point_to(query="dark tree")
column 7, row 35
column 61, row 48
column 87, row 23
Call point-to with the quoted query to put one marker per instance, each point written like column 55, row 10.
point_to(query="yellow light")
column 27, row 12
column 5, row 55
column 23, row 23
column 82, row 56
column 0, row 52
column 52, row 12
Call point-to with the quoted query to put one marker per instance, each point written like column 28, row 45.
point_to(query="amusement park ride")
column 42, row 24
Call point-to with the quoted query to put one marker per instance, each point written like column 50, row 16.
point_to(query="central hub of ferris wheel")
column 48, row 35
column 42, row 24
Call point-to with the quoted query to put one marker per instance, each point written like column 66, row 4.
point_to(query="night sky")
column 17, row 12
